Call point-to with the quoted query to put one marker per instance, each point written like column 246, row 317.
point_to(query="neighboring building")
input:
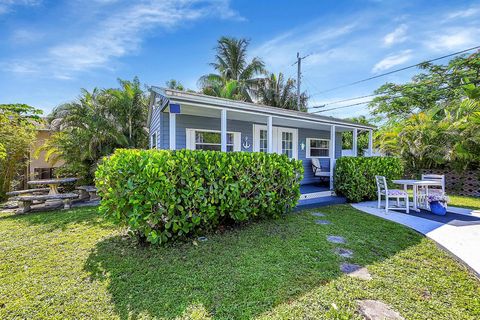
column 38, row 167
column 179, row 120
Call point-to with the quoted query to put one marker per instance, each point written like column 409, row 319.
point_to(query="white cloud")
column 280, row 51
column 7, row 5
column 122, row 34
column 25, row 36
column 397, row 36
column 466, row 13
column 454, row 39
column 21, row 67
column 392, row 61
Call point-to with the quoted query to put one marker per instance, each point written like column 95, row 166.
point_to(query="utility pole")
column 299, row 76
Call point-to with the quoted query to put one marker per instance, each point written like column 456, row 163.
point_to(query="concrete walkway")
column 461, row 241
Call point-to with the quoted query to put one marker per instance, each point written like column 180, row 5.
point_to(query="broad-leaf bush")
column 161, row 195
column 355, row 176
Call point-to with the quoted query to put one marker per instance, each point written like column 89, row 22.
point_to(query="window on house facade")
column 211, row 140
column 318, row 148
column 287, row 144
column 154, row 140
column 263, row 144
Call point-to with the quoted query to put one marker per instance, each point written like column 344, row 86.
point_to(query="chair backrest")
column 435, row 177
column 315, row 163
column 381, row 183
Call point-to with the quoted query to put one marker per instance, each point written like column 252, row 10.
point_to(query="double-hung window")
column 198, row 139
column 318, row 148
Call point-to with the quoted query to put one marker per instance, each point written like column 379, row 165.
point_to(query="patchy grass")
column 72, row 264
column 465, row 202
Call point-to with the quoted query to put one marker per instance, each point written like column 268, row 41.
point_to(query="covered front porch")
column 200, row 122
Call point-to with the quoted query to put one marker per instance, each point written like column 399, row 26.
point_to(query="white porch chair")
column 317, row 169
column 426, row 190
column 382, row 190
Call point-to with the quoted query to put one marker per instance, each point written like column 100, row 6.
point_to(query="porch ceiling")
column 256, row 118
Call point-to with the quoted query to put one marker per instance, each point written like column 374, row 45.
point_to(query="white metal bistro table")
column 52, row 183
column 415, row 184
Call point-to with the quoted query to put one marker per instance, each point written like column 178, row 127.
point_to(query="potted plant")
column 438, row 204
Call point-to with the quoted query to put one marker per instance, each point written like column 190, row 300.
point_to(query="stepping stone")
column 345, row 253
column 355, row 271
column 336, row 239
column 376, row 310
column 318, row 214
column 322, row 222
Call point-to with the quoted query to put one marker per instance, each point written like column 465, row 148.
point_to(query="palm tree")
column 231, row 65
column 276, row 92
column 174, row 84
column 95, row 124
column 129, row 106
column 84, row 132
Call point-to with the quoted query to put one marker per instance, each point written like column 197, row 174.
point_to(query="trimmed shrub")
column 355, row 176
column 161, row 195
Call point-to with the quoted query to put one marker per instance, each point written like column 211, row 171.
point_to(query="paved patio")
column 461, row 238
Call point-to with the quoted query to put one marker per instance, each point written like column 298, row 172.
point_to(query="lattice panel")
column 464, row 184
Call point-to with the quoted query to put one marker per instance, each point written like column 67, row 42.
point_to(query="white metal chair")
column 426, row 190
column 382, row 190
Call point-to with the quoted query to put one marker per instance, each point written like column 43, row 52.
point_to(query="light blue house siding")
column 160, row 124
column 156, row 126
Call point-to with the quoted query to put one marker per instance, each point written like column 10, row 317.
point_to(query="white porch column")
column 172, row 130
column 332, row 154
column 269, row 134
column 354, row 144
column 370, row 142
column 223, row 130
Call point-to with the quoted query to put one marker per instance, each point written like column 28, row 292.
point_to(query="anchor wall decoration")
column 245, row 144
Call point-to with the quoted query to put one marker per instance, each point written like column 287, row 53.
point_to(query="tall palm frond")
column 231, row 65
column 276, row 92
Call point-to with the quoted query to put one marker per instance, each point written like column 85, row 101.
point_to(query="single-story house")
column 179, row 120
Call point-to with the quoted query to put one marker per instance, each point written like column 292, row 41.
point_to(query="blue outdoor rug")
column 453, row 219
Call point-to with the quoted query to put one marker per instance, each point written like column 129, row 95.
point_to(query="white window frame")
column 276, row 137
column 308, row 156
column 256, row 136
column 190, row 138
column 154, row 140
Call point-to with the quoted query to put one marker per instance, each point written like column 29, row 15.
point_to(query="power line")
column 397, row 70
column 373, row 95
column 341, row 107
column 349, row 99
column 356, row 98
column 365, row 102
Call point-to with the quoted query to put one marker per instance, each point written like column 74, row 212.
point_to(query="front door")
column 285, row 140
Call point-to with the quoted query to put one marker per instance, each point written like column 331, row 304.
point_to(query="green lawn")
column 72, row 264
column 460, row 201
column 465, row 202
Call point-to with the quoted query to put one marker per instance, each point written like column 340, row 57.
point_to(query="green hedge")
column 161, row 195
column 355, row 176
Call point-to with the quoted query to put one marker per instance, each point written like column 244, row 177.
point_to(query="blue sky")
column 51, row 49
